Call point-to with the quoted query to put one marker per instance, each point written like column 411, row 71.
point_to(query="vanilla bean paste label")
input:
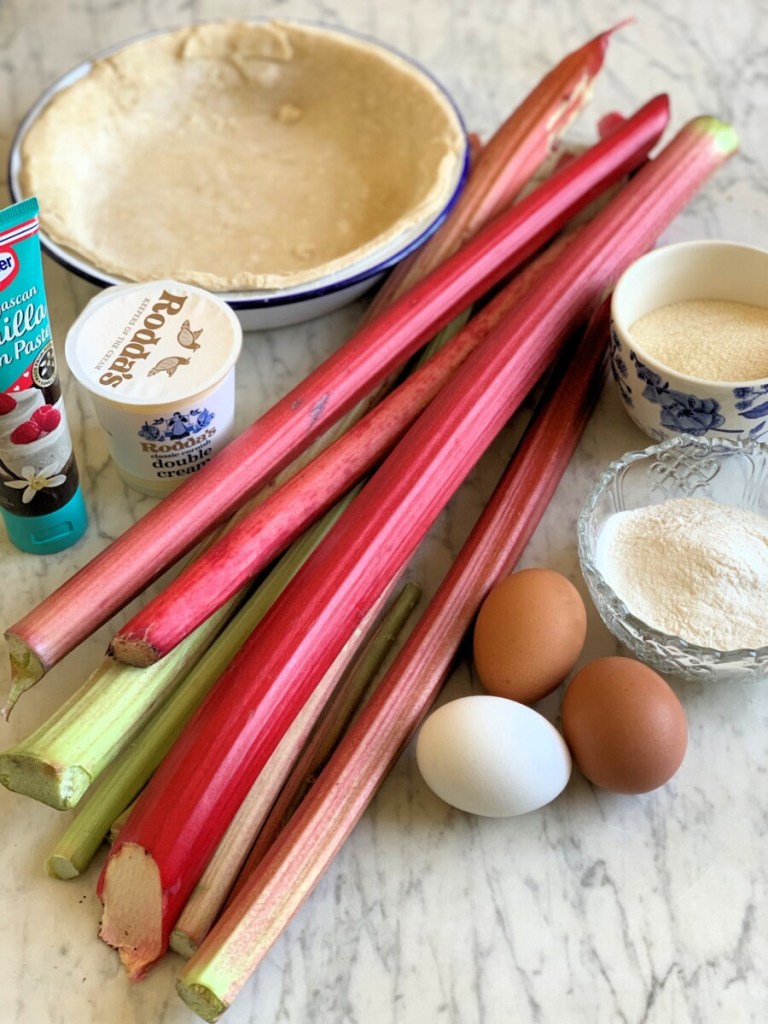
column 38, row 474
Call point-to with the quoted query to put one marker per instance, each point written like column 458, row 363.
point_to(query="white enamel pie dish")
column 285, row 166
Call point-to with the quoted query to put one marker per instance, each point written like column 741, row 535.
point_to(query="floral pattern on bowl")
column 733, row 472
column 661, row 409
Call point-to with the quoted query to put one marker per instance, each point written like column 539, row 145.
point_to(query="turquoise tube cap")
column 54, row 531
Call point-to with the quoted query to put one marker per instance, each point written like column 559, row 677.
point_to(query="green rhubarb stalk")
column 58, row 762
column 211, row 892
column 132, row 769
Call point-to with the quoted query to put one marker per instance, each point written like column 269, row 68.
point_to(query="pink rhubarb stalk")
column 144, row 551
column 521, row 144
column 189, row 802
column 256, row 538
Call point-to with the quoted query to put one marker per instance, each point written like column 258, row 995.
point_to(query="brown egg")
column 529, row 634
column 625, row 727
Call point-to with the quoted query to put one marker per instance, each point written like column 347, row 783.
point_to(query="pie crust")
column 239, row 156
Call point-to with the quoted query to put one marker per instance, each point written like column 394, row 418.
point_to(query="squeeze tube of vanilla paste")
column 40, row 497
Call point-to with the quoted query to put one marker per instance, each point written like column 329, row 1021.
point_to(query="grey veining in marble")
column 596, row 910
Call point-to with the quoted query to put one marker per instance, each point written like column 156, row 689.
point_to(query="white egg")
column 492, row 756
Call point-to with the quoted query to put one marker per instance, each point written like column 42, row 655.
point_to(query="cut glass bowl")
column 726, row 471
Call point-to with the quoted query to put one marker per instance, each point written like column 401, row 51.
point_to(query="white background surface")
column 597, row 909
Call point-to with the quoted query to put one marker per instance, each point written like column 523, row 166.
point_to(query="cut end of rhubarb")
column 132, row 897
column 182, row 944
column 26, row 670
column 57, row 866
column 26, row 774
column 131, row 651
column 201, row 1001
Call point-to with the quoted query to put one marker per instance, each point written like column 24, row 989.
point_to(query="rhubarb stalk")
column 211, row 980
column 322, row 717
column 150, row 870
column 260, row 535
column 144, row 551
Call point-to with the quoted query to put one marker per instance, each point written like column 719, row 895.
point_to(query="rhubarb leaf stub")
column 724, row 135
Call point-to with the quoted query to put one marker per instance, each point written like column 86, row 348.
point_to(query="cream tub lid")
column 153, row 343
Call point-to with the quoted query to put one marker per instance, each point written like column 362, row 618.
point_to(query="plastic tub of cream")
column 158, row 359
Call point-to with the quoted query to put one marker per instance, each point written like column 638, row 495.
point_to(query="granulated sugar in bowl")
column 689, row 341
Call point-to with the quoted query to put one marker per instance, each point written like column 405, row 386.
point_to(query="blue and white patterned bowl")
column 728, row 471
column 661, row 401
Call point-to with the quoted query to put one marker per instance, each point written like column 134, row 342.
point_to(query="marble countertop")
column 597, row 909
